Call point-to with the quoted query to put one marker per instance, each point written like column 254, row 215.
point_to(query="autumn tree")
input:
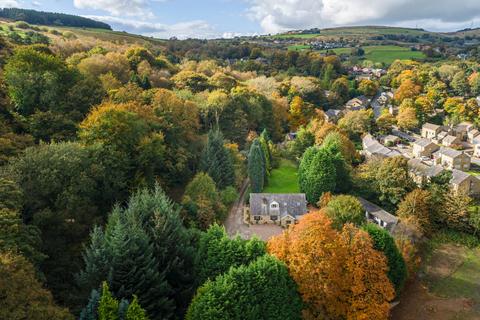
column 407, row 115
column 415, row 208
column 202, row 202
column 368, row 87
column 339, row 274
column 297, row 117
column 23, row 296
column 356, row 122
column 343, row 209
column 407, row 90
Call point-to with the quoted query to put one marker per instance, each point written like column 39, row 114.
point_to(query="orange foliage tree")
column 338, row 273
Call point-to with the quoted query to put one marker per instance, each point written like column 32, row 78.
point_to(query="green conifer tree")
column 217, row 161
column 135, row 311
column 256, row 167
column 108, row 305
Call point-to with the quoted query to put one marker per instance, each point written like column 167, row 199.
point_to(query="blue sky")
column 226, row 18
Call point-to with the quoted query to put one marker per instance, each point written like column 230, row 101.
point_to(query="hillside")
column 50, row 18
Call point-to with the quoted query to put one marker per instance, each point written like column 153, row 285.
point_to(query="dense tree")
column 217, row 253
column 384, row 242
column 256, row 291
column 302, row 141
column 368, row 87
column 256, row 167
column 415, row 208
column 22, row 294
column 407, row 115
column 217, row 161
column 357, row 122
column 344, row 209
column 317, row 173
column 202, row 202
column 339, row 274
column 340, row 90
column 145, row 251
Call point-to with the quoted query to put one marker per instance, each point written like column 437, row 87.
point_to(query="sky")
column 228, row 18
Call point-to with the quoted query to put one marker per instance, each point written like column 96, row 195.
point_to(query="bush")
column 228, row 196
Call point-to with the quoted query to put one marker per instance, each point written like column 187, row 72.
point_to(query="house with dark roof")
column 379, row 216
column 357, row 103
column 278, row 208
column 332, row 115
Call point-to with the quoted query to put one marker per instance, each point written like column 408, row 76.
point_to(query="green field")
column 385, row 54
column 284, row 179
column 299, row 47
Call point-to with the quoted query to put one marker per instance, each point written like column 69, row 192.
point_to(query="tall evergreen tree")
column 145, row 250
column 217, row 161
column 108, row 305
column 256, row 167
column 135, row 311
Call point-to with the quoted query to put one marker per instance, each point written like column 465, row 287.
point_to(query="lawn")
column 283, row 179
column 385, row 54
column 299, row 47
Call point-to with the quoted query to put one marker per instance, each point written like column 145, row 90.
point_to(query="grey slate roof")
column 422, row 169
column 294, row 204
column 449, row 152
column 332, row 113
column 459, row 176
column 378, row 212
column 422, row 142
column 449, row 139
column 372, row 146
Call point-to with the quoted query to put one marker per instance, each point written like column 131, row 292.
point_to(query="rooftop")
column 294, row 204
column 423, row 142
column 431, row 126
column 378, row 212
column 418, row 167
column 449, row 152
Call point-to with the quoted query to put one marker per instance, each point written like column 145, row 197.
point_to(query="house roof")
column 423, row 142
column 459, row 176
column 294, row 204
column 449, row 152
column 332, row 112
column 430, row 126
column 449, row 139
column 418, row 167
column 372, row 146
column 378, row 212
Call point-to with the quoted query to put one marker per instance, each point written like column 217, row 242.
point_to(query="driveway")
column 234, row 224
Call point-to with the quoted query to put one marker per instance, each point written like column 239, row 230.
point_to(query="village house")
column 371, row 147
column 390, row 140
column 333, row 115
column 461, row 130
column 430, row 130
column 451, row 141
column 472, row 134
column 279, row 209
column 379, row 216
column 358, row 103
column 465, row 183
column 421, row 172
column 452, row 159
column 476, row 150
column 423, row 148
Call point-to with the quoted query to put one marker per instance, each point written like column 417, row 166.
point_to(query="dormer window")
column 273, row 206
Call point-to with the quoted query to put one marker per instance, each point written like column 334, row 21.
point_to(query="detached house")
column 332, row 115
column 430, row 130
column 371, row 147
column 379, row 216
column 424, row 148
column 452, row 159
column 465, row 183
column 358, row 103
column 421, row 172
column 450, row 141
column 280, row 209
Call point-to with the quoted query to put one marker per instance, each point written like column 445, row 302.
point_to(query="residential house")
column 280, row 209
column 451, row 141
column 461, row 130
column 424, row 148
column 452, row 159
column 358, row 103
column 472, row 134
column 430, row 130
column 465, row 183
column 333, row 115
column 421, row 172
column 390, row 140
column 371, row 147
column 476, row 150
column 379, row 216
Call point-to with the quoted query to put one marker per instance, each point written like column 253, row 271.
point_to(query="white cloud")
column 280, row 15
column 140, row 8
column 9, row 4
column 181, row 30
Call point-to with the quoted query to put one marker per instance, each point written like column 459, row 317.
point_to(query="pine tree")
column 217, row 161
column 108, row 305
column 135, row 311
column 256, row 167
column 90, row 311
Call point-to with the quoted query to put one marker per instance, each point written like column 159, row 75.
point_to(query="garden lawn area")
column 283, row 179
column 385, row 54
